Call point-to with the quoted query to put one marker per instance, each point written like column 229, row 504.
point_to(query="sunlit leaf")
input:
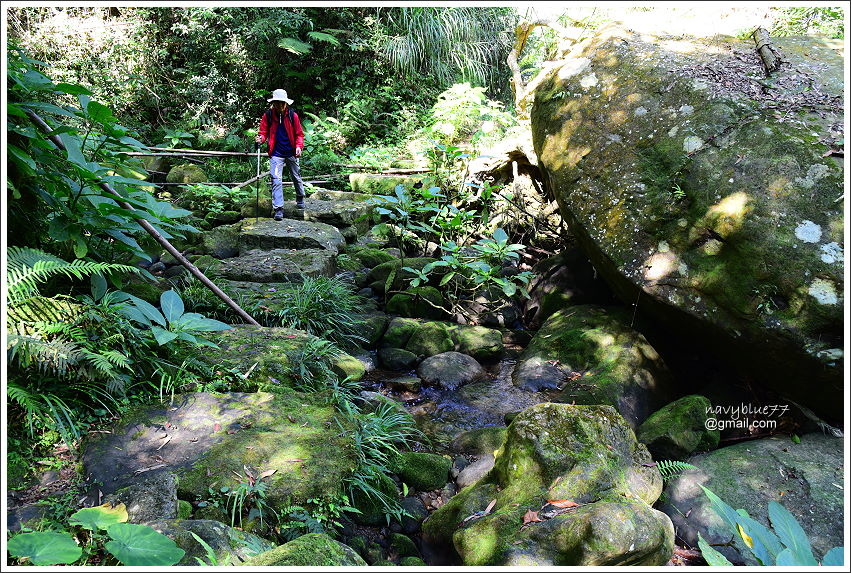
column 294, row 46
column 44, row 548
column 100, row 517
column 140, row 545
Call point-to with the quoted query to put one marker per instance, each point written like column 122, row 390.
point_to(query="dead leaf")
column 530, row 517
column 564, row 503
column 250, row 447
column 291, row 419
column 555, row 483
column 164, row 443
column 217, row 427
column 489, row 508
column 266, row 474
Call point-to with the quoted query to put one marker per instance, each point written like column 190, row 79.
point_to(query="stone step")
column 279, row 265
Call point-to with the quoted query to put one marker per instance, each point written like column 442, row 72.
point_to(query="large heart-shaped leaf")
column 45, row 548
column 140, row 545
column 100, row 517
column 172, row 305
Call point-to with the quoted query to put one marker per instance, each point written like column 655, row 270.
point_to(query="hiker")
column 281, row 127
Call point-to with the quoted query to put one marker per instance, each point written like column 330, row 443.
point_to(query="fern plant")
column 672, row 468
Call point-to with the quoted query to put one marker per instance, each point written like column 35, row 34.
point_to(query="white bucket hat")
column 280, row 95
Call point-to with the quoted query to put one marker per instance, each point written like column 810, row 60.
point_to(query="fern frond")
column 672, row 468
column 53, row 356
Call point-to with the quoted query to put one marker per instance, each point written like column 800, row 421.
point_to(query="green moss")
column 417, row 302
column 372, row 257
column 480, row 441
column 422, row 471
column 313, row 549
column 399, row 332
column 403, row 546
column 411, row 562
column 372, row 512
column 184, row 509
column 430, row 339
column 679, row 429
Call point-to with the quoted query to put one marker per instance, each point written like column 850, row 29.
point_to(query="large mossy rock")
column 380, row 274
column 186, row 173
column 679, row 429
column 231, row 546
column 585, row 454
column 712, row 201
column 807, row 478
column 208, row 439
column 422, row 470
column 430, row 339
column 417, row 302
column 279, row 265
column 480, row 342
column 593, row 354
column 311, row 550
column 288, row 234
column 271, row 355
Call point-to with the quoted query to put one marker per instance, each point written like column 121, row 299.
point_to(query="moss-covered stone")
column 311, row 550
column 268, row 234
column 411, row 561
column 484, row 344
column 399, row 332
column 586, row 454
column 679, row 429
column 186, row 173
column 423, row 471
column 378, row 184
column 230, row 546
column 208, row 265
column 616, row 364
column 430, row 339
column 184, row 509
column 397, row 358
column 480, row 441
column 403, row 546
column 378, row 277
column 417, row 302
column 372, row 257
column 736, row 243
column 144, row 290
column 371, row 510
column 374, row 325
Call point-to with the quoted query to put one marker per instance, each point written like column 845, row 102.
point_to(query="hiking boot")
column 299, row 203
column 279, row 213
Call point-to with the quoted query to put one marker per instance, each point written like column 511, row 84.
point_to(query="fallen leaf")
column 490, row 506
column 555, row 483
column 530, row 516
column 266, row 474
column 562, row 503
column 610, row 447
column 291, row 419
column 249, row 447
column 296, row 460
column 217, row 427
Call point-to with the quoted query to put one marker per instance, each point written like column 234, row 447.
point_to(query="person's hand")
column 298, row 151
column 258, row 138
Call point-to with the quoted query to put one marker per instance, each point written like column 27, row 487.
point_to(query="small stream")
column 443, row 414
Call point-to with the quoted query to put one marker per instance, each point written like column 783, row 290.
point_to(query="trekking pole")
column 257, row 187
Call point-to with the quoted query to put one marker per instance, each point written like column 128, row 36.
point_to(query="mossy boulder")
column 205, row 439
column 804, row 477
column 144, row 290
column 378, row 184
column 397, row 358
column 270, row 354
column 269, row 234
column 221, row 242
column 480, row 342
column 186, row 173
column 593, row 355
column 417, row 302
column 374, row 326
column 713, row 204
column 279, row 265
column 679, row 429
column 399, row 332
column 450, row 370
column 372, row 257
column 231, row 546
column 412, row 561
column 311, row 550
column 208, row 265
column 371, row 510
column 403, row 546
column 420, row 470
column 149, row 498
column 430, row 339
column 585, row 454
column 480, row 441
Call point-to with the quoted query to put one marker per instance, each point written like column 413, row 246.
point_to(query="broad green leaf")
column 80, row 248
column 162, row 336
column 323, row 37
column 710, row 554
column 446, row 278
column 500, row 235
column 140, row 545
column 100, row 517
column 98, row 287
column 45, row 548
column 509, row 288
column 788, row 558
column 763, row 542
column 172, row 305
column 20, row 157
column 195, row 321
column 149, row 310
column 294, row 46
column 72, row 89
column 791, row 533
column 834, row 557
column 50, row 108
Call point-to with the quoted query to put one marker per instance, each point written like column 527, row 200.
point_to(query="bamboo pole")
column 151, row 230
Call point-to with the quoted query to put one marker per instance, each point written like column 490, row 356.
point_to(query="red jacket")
column 292, row 125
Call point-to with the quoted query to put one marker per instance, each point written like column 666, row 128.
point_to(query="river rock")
column 710, row 200
column 399, row 332
column 475, row 471
column 479, row 441
column 288, row 234
column 806, row 478
column 584, row 454
column 378, row 276
column 371, row 258
column 421, row 470
column 148, row 498
column 204, row 438
column 313, row 549
column 278, row 265
column 397, row 358
column 231, row 546
column 593, row 354
column 417, row 302
column 430, row 339
column 381, row 184
column 679, row 429
column 450, row 370
column 186, row 173
column 480, row 342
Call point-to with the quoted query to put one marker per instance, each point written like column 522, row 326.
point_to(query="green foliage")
column 212, row 560
column 206, row 199
column 171, row 323
column 176, row 138
column 672, row 468
column 784, row 543
column 325, row 307
column 464, row 113
column 809, row 20
column 130, row 544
